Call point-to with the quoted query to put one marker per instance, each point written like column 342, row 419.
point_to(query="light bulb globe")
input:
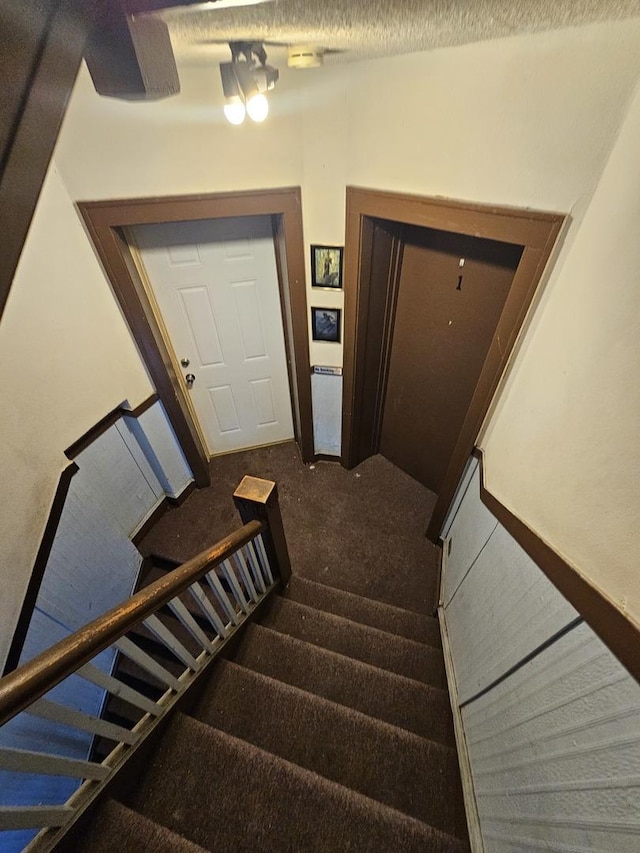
column 258, row 107
column 235, row 112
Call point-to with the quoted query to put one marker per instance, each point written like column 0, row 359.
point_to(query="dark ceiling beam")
column 41, row 47
column 138, row 7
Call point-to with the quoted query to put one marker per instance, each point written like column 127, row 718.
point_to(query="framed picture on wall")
column 325, row 324
column 326, row 266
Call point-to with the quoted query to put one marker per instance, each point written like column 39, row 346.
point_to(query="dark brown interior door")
column 445, row 319
column 381, row 257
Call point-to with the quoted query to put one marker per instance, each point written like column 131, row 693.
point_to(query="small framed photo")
column 326, row 266
column 325, row 324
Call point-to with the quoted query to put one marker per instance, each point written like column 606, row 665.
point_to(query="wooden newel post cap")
column 256, row 490
column 256, row 498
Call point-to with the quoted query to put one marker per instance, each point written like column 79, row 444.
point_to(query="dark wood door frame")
column 535, row 231
column 107, row 221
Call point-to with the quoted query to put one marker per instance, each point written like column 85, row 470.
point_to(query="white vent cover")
column 305, row 56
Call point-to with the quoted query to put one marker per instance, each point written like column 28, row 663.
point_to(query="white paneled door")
column 216, row 285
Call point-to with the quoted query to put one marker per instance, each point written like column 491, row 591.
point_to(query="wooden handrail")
column 31, row 681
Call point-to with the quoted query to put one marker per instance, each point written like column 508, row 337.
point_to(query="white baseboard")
column 468, row 792
column 175, row 496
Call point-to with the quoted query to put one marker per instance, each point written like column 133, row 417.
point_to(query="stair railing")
column 223, row 585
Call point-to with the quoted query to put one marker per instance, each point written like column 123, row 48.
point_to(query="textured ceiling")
column 362, row 29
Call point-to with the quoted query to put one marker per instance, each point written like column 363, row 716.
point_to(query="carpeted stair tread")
column 376, row 614
column 395, row 699
column 388, row 764
column 350, row 529
column 244, row 799
column 118, row 829
column 370, row 645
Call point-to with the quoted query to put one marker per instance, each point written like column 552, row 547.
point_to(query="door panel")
column 248, row 313
column 442, row 331
column 263, row 400
column 217, row 289
column 199, row 317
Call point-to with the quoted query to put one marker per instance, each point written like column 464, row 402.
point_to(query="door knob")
column 185, row 362
column 189, row 379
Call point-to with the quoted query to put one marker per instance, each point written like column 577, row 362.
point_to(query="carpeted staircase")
column 328, row 729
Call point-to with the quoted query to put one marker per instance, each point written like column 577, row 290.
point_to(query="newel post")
column 258, row 499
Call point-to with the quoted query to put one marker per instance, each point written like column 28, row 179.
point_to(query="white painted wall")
column 122, row 477
column 117, row 487
column 498, row 604
column 532, row 121
column 327, row 401
column 524, row 121
column 527, row 121
column 553, row 743
column 119, row 149
column 495, row 122
column 561, row 447
column 154, row 443
column 503, row 609
column 555, row 753
column 66, row 360
column 92, row 567
column 325, row 144
column 467, row 534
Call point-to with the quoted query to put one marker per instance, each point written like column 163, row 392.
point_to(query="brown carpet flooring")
column 362, row 530
column 304, row 741
column 328, row 727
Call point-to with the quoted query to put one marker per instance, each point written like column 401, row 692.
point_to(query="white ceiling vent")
column 305, row 56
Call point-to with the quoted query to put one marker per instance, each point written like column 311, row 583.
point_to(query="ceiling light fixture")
column 235, row 111
column 258, row 107
column 245, row 82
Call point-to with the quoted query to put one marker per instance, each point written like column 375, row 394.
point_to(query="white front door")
column 216, row 285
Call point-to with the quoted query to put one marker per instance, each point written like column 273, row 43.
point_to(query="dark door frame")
column 535, row 231
column 107, row 221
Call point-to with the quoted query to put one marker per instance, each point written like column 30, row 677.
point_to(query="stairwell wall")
column 66, row 360
column 550, row 122
column 561, row 444
column 67, row 357
column 527, row 121
column 550, row 717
